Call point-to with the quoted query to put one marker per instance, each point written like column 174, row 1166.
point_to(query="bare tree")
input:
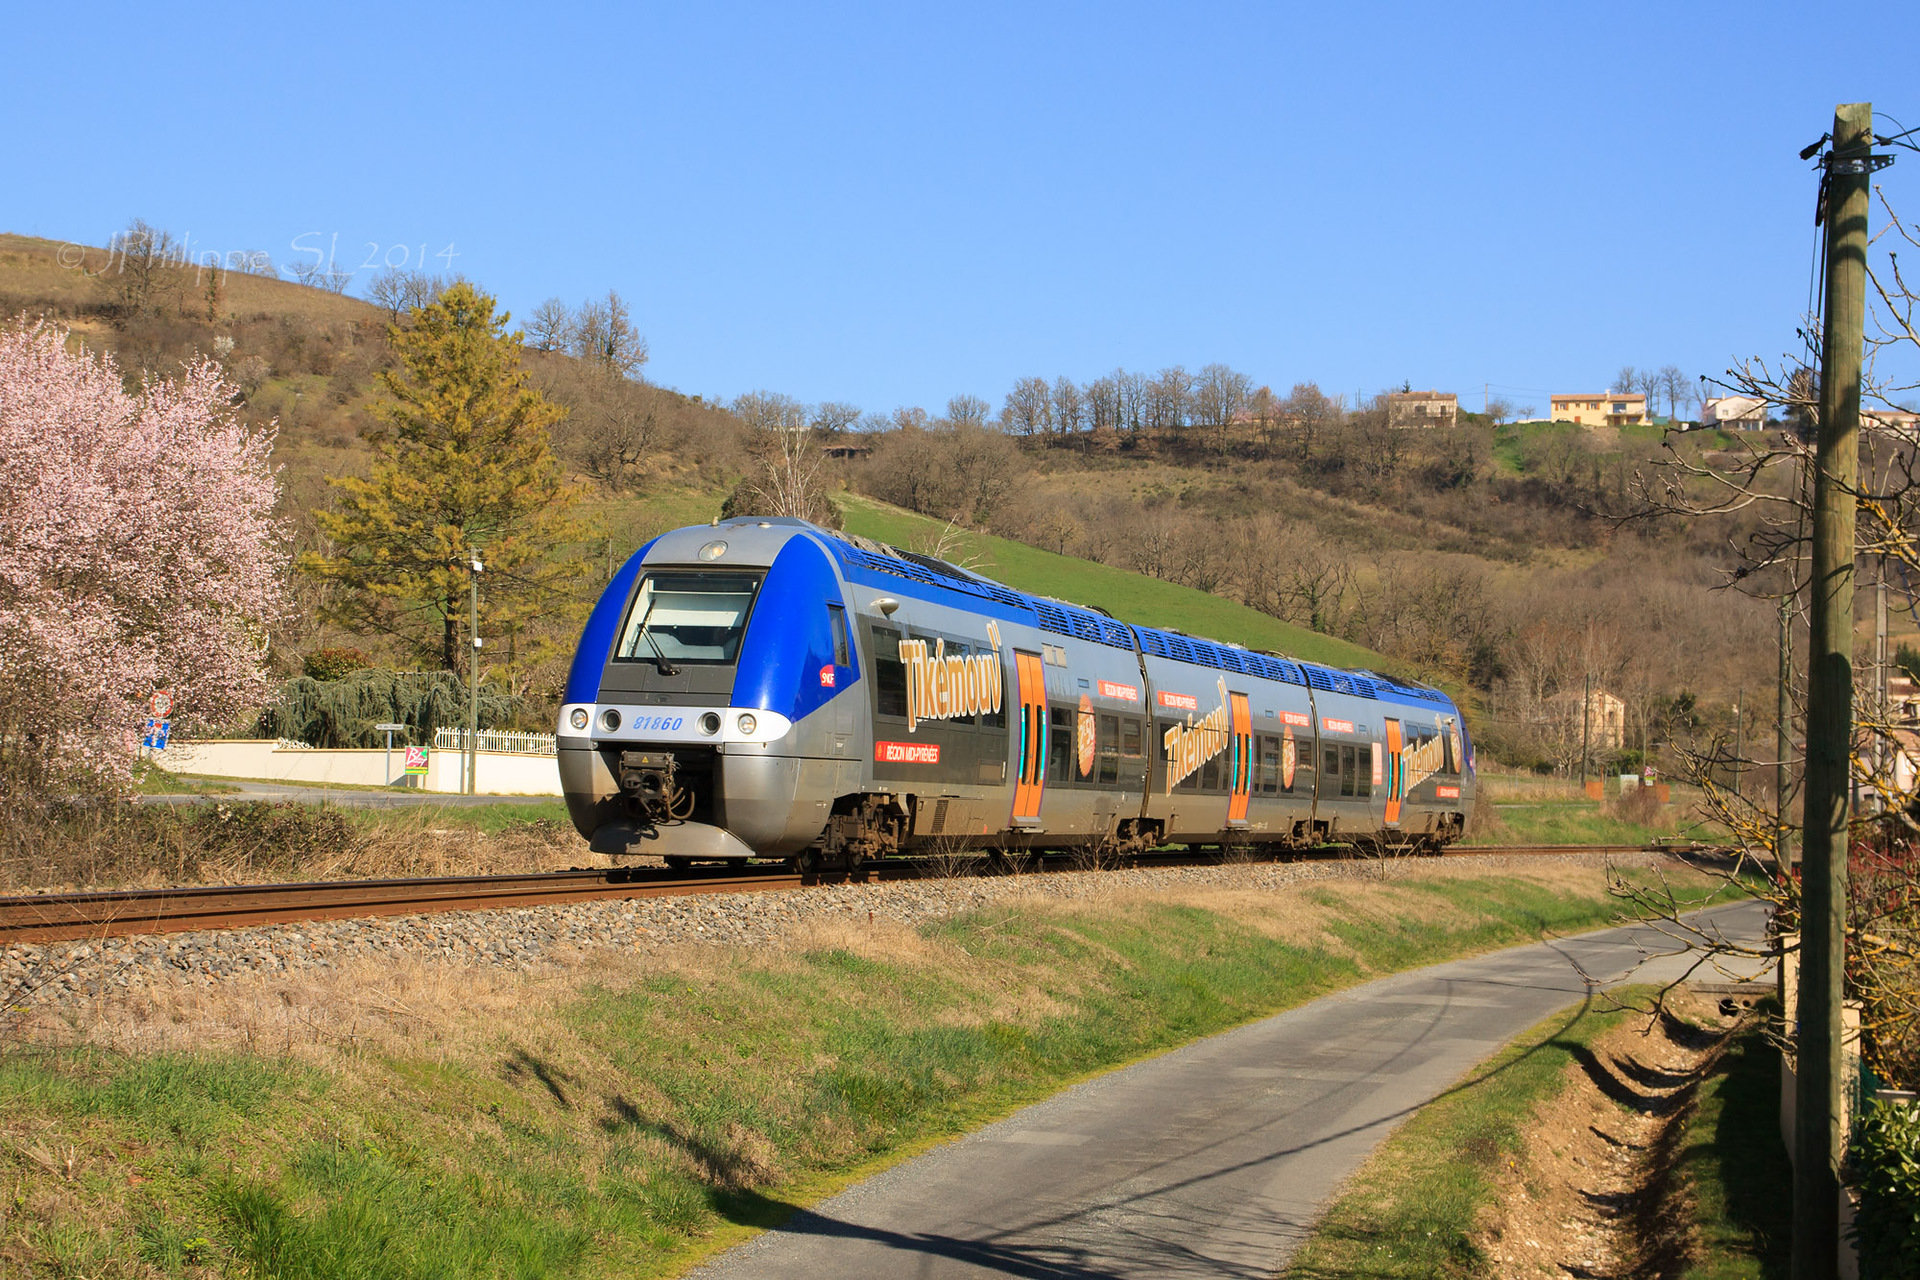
column 1028, row 410
column 1679, row 388
column 139, row 260
column 1170, row 399
column 1310, row 414
column 968, row 411
column 771, row 412
column 787, row 475
column 1626, row 380
column 1134, row 392
column 614, row 429
column 603, row 332
column 1316, row 584
column 1069, row 406
column 1219, row 396
column 1649, row 384
column 1499, row 410
column 1103, row 405
column 397, row 291
column 550, row 327
column 832, row 417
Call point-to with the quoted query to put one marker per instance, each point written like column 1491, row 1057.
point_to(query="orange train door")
column 1030, row 777
column 1396, row 774
column 1240, row 770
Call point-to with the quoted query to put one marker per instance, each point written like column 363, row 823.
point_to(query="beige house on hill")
column 1601, row 715
column 1899, row 422
column 1602, row 409
column 1422, row 409
column 1735, row 413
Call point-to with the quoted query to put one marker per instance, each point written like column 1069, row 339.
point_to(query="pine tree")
column 463, row 462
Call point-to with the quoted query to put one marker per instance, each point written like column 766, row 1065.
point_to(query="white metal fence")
column 521, row 744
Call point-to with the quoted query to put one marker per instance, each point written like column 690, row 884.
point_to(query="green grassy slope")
column 1127, row 596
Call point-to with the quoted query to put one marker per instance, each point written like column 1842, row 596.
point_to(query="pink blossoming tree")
column 138, row 552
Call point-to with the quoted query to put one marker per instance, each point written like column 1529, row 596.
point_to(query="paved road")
column 315, row 793
column 1212, row 1160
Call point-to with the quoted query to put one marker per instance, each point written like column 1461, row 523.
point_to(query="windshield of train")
column 688, row 617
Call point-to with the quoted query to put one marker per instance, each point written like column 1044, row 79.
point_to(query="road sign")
column 154, row 737
column 160, row 706
column 389, row 728
column 416, row 760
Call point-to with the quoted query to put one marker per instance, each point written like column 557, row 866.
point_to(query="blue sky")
column 892, row 204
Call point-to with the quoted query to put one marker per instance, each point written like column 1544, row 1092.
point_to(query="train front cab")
column 711, row 708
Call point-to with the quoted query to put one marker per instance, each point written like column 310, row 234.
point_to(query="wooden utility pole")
column 1739, row 737
column 1783, row 732
column 1823, row 904
column 1586, row 730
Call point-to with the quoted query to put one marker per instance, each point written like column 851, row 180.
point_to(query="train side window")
column 1130, row 744
column 955, row 649
column 1267, row 774
column 1363, row 777
column 1107, row 743
column 1189, row 783
column 1330, row 770
column 1060, row 744
column 1349, row 773
column 997, row 718
column 837, row 623
column 1213, row 774
column 889, row 674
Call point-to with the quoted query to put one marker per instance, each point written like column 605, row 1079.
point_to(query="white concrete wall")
column 497, row 772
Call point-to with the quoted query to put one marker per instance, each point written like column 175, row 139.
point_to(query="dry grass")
column 39, row 270
column 152, row 846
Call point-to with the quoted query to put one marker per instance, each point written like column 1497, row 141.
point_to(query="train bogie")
column 765, row 687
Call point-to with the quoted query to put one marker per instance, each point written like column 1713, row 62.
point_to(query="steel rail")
column 54, row 917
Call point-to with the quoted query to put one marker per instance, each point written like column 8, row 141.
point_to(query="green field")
column 1127, row 596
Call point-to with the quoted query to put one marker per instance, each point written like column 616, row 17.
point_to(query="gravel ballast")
column 69, row 975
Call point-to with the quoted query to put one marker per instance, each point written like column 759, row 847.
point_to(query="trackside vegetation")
column 626, row 1115
column 1418, row 1207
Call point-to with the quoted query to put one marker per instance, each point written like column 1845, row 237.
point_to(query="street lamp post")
column 473, row 671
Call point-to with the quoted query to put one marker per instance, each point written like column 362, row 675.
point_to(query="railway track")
column 52, row 917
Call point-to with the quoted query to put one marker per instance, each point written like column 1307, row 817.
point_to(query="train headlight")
column 578, row 719
column 710, row 722
column 746, row 723
column 609, row 719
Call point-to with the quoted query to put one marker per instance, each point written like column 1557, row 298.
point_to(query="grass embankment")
column 1736, row 1166
column 1414, row 1205
column 1131, row 597
column 622, row 1114
column 1521, row 809
column 1420, row 1205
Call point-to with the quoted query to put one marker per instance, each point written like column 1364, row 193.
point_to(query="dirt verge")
column 1594, row 1194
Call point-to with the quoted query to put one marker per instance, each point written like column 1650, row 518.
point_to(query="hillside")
column 1487, row 558
column 1131, row 597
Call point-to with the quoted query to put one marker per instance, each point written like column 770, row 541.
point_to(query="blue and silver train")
column 768, row 688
